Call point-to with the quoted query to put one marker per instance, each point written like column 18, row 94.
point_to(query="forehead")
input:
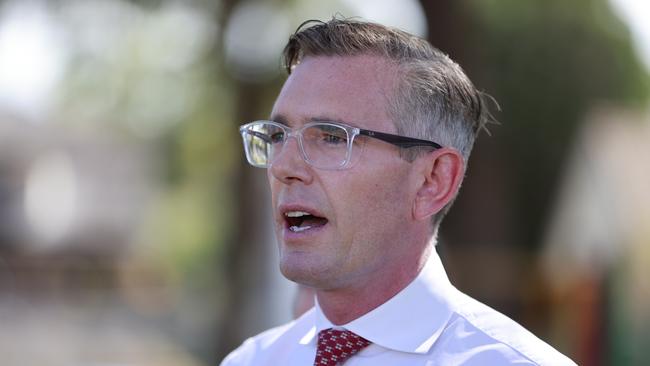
column 351, row 89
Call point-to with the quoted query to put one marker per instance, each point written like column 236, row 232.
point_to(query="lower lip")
column 293, row 236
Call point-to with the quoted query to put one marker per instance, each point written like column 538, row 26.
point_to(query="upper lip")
column 283, row 209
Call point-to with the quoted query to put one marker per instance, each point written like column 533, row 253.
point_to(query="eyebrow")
column 330, row 119
column 279, row 118
column 282, row 119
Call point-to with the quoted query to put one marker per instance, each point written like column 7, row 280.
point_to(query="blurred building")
column 597, row 252
column 72, row 201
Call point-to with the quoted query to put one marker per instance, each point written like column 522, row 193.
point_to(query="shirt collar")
column 410, row 321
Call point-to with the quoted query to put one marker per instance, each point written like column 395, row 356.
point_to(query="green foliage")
column 548, row 63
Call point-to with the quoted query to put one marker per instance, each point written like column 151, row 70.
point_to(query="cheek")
column 372, row 204
column 274, row 185
column 387, row 203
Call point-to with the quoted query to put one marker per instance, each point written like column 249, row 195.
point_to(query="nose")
column 289, row 165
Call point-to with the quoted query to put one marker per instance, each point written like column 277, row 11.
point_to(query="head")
column 433, row 99
column 372, row 220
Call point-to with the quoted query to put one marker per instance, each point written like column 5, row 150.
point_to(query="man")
column 357, row 205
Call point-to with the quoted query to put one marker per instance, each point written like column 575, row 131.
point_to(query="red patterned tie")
column 336, row 346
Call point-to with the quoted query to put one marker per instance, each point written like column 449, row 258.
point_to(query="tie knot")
column 336, row 346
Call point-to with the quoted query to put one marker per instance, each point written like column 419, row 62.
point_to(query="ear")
column 440, row 174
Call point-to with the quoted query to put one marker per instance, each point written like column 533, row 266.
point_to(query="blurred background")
column 133, row 233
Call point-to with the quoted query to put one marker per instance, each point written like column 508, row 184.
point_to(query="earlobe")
column 441, row 173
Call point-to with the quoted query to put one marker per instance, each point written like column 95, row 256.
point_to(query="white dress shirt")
column 428, row 323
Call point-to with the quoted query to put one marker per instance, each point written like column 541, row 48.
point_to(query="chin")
column 300, row 268
column 294, row 269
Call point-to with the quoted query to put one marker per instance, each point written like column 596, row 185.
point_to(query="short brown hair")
column 434, row 99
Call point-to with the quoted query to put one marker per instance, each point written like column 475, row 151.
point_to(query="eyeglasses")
column 323, row 145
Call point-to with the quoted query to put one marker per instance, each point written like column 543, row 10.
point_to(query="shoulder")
column 493, row 338
column 270, row 343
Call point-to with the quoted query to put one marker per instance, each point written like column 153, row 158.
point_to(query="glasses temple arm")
column 262, row 136
column 401, row 141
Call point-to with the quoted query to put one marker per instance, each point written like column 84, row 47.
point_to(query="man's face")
column 359, row 215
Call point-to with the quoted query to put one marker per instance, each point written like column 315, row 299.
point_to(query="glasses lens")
column 260, row 140
column 325, row 145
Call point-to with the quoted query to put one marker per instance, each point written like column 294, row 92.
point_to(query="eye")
column 276, row 137
column 333, row 139
column 332, row 135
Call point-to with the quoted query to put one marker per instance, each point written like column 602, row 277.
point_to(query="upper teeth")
column 296, row 213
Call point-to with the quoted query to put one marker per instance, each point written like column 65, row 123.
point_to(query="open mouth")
column 299, row 221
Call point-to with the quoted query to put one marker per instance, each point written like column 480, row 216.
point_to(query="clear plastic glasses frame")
column 323, row 145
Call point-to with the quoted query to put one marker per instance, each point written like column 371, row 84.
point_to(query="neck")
column 343, row 305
